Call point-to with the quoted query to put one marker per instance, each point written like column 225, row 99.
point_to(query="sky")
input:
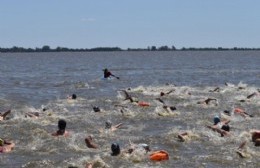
column 130, row 23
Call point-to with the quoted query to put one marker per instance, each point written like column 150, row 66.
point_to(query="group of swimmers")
column 222, row 127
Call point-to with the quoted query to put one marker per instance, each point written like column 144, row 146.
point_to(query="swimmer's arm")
column 118, row 125
column 214, row 128
column 242, row 145
column 31, row 115
column 181, row 136
column 222, row 132
column 226, row 122
column 101, row 130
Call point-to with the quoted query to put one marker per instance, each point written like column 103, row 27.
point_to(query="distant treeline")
column 47, row 48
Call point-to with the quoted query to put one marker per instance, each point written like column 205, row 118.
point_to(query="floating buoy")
column 159, row 156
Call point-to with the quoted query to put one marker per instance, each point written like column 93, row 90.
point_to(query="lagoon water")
column 33, row 81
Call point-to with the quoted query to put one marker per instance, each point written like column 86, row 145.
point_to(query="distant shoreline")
column 106, row 49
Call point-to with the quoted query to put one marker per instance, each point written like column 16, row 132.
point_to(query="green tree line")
column 47, row 48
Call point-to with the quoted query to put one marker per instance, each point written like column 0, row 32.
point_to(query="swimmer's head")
column 2, row 142
column 146, row 147
column 115, row 149
column 173, row 108
column 96, row 109
column 225, row 128
column 62, row 124
column 74, row 96
column 216, row 120
column 108, row 124
column 227, row 112
column 37, row 114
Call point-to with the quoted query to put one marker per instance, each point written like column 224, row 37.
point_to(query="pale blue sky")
column 129, row 23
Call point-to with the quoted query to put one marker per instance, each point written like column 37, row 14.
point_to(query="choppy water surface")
column 32, row 81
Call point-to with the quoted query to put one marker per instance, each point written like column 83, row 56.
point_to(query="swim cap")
column 145, row 146
column 173, row 108
column 1, row 142
column 115, row 149
column 227, row 112
column 225, row 127
column 108, row 124
column 96, row 109
column 216, row 120
column 74, row 96
column 62, row 124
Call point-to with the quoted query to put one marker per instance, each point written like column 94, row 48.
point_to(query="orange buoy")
column 159, row 156
column 143, row 104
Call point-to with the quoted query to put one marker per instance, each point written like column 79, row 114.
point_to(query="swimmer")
column 183, row 136
column 123, row 108
column 33, row 115
column 227, row 112
column 239, row 151
column 218, row 123
column 89, row 142
column 255, row 134
column 110, row 127
column 73, row 97
column 242, row 112
column 6, row 146
column 252, row 95
column 96, row 109
column 224, row 130
column 169, row 109
column 108, row 74
column 255, row 137
column 167, row 93
column 129, row 97
column 134, row 147
column 217, row 89
column 61, row 131
column 4, row 114
column 115, row 148
column 207, row 101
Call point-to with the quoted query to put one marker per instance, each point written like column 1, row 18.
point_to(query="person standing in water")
column 108, row 74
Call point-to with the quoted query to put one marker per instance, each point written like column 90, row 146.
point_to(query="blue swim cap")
column 216, row 120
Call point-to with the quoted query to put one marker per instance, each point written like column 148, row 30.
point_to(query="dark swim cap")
column 216, row 120
column 62, row 124
column 115, row 149
column 108, row 124
column 96, row 109
column 227, row 112
column 173, row 108
column 74, row 96
column 225, row 127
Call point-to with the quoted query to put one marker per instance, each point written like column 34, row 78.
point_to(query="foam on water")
column 202, row 148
